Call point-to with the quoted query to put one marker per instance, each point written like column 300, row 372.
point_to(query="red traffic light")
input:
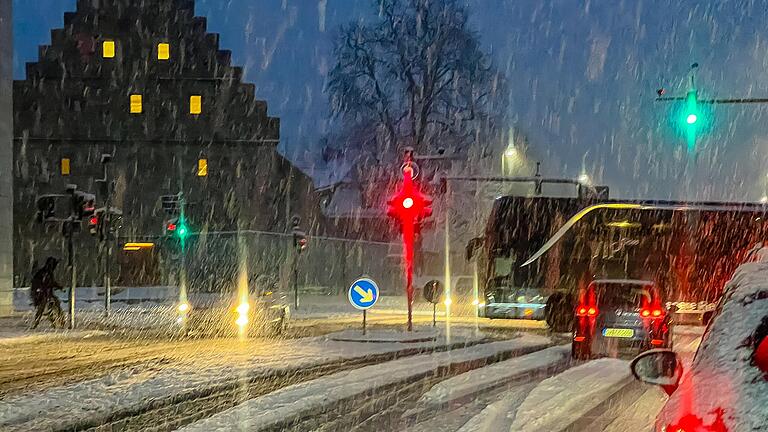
column 94, row 220
column 171, row 227
column 409, row 205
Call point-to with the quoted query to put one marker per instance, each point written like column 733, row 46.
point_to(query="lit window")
column 202, row 167
column 108, row 49
column 195, row 104
column 136, row 107
column 163, row 51
column 65, row 166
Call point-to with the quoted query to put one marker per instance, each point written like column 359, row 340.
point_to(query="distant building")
column 146, row 83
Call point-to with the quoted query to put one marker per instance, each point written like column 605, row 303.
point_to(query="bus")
column 539, row 251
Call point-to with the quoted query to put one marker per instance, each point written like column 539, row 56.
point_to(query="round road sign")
column 433, row 290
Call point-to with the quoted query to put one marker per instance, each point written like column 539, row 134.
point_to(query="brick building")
column 145, row 82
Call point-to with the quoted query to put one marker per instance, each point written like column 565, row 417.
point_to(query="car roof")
column 623, row 281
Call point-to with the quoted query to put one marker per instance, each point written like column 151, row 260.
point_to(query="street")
column 47, row 365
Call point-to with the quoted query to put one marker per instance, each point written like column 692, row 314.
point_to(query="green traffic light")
column 182, row 231
column 691, row 119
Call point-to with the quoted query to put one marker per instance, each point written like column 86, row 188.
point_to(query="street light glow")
column 583, row 178
column 510, row 152
column 183, row 307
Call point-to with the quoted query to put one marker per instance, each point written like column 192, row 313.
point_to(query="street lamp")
column 584, row 179
column 508, row 159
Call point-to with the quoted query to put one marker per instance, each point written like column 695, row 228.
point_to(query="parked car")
column 726, row 388
column 614, row 314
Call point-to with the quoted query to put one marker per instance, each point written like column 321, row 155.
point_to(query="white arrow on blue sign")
column 363, row 293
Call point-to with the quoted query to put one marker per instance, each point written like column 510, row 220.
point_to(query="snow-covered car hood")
column 723, row 389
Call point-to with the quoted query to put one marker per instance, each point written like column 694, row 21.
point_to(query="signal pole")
column 105, row 234
column 68, row 229
column 410, row 207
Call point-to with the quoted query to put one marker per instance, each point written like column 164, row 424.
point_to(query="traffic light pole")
column 106, row 235
column 68, row 229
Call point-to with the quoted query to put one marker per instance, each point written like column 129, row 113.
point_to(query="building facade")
column 145, row 82
column 6, row 158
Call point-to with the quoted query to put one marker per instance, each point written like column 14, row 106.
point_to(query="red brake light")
column 592, row 311
column 645, row 312
column 657, row 342
column 579, row 338
column 656, row 312
column 761, row 355
column 582, row 311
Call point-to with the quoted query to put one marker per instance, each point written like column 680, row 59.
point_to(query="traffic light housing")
column 46, row 208
column 83, row 204
column 300, row 240
column 94, row 224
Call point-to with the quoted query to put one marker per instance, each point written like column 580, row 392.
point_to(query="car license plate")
column 618, row 332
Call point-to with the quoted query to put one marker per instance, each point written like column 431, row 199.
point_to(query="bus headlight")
column 183, row 307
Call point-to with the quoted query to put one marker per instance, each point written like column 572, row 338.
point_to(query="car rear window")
column 623, row 295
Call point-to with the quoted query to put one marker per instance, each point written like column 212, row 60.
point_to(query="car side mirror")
column 661, row 367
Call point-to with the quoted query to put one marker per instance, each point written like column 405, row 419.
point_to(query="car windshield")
column 375, row 215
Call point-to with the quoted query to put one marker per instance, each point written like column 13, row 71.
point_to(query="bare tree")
column 417, row 76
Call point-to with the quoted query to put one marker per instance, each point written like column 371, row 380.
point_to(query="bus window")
column 502, row 266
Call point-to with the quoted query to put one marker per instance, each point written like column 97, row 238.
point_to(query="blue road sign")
column 363, row 293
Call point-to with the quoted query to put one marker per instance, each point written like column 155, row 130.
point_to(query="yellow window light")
column 136, row 105
column 108, row 49
column 65, row 166
column 195, row 104
column 163, row 51
column 134, row 246
column 202, row 167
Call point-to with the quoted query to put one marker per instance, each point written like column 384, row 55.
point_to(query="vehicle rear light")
column 761, row 355
column 579, row 338
column 656, row 312
column 582, row 311
column 592, row 311
column 645, row 313
column 657, row 342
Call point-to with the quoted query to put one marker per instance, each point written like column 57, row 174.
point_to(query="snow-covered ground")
column 127, row 389
column 287, row 404
column 495, row 375
column 559, row 401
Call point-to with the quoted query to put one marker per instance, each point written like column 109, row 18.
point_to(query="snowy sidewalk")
column 127, row 392
column 291, row 404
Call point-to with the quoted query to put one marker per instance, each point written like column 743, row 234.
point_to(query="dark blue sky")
column 583, row 76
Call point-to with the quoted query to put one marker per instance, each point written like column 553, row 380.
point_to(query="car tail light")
column 586, row 311
column 579, row 338
column 761, row 355
column 657, row 342
column 656, row 312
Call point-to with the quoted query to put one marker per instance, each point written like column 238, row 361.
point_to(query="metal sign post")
column 433, row 290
